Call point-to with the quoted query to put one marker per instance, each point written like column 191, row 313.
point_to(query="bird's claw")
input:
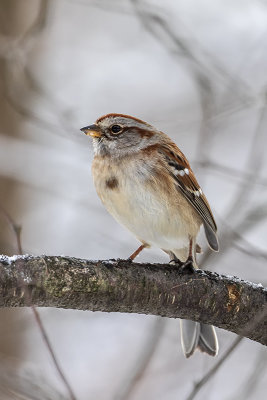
column 176, row 263
column 188, row 266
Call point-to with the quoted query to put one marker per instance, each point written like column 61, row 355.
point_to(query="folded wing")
column 186, row 182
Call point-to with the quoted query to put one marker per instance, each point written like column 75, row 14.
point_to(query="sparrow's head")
column 119, row 135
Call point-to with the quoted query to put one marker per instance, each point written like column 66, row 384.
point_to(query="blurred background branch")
column 24, row 288
column 198, row 385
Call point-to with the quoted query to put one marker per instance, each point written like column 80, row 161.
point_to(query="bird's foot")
column 176, row 263
column 188, row 266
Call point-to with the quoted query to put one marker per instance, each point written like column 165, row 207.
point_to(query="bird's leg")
column 188, row 264
column 136, row 252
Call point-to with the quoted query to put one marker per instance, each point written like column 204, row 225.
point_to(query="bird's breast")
column 138, row 201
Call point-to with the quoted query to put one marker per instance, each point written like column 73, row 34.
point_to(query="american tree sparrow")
column 147, row 184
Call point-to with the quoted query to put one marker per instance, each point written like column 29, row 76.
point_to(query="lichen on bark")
column 123, row 286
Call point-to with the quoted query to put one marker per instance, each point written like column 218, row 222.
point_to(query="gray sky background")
column 197, row 71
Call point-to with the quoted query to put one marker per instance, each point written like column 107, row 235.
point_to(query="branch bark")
column 123, row 286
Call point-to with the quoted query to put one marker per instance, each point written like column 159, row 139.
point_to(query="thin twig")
column 51, row 351
column 230, row 172
column 260, row 316
column 147, row 352
column 257, row 214
column 15, row 228
column 17, row 231
column 193, row 51
column 243, row 195
column 213, row 370
column 250, row 383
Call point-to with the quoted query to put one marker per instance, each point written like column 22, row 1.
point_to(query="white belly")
column 151, row 219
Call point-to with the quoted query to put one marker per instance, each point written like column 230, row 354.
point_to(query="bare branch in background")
column 17, row 73
column 230, row 172
column 15, row 228
column 17, row 231
column 256, row 215
column 253, row 163
column 243, row 195
column 52, row 353
column 122, row 286
column 213, row 370
column 250, row 250
column 189, row 48
column 114, row 7
column 133, row 379
column 20, row 46
column 27, row 383
column 250, row 383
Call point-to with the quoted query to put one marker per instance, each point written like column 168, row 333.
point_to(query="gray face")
column 121, row 135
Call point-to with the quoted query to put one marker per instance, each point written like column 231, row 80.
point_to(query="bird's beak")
column 92, row 130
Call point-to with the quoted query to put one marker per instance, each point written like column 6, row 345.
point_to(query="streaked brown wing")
column 184, row 177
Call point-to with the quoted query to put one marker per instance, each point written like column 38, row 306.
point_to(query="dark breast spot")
column 112, row 183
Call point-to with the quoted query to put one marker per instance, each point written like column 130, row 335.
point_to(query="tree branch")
column 123, row 286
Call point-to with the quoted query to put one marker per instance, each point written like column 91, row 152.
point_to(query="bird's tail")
column 195, row 335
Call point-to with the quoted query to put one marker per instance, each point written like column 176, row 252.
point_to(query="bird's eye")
column 116, row 128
